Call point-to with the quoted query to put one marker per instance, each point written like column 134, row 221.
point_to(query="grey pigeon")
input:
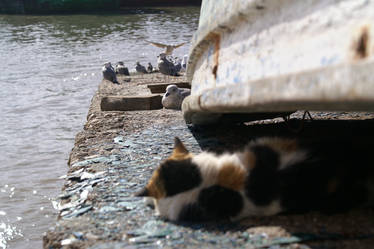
column 174, row 96
column 140, row 68
column 168, row 48
column 150, row 67
column 165, row 66
column 108, row 73
column 121, row 69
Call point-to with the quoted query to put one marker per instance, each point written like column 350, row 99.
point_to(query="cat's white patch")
column 171, row 207
column 250, row 209
column 210, row 165
column 149, row 201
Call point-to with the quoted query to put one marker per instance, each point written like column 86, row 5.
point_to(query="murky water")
column 51, row 67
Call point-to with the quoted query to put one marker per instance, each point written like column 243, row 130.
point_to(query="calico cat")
column 270, row 176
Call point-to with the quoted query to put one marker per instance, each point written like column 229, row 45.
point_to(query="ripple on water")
column 53, row 67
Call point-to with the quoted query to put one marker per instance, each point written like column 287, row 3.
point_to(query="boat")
column 260, row 59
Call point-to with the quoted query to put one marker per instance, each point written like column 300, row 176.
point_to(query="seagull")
column 174, row 96
column 140, row 68
column 108, row 73
column 168, row 48
column 165, row 66
column 184, row 62
column 150, row 67
column 121, row 69
column 178, row 66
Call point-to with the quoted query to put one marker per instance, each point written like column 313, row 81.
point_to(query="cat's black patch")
column 262, row 185
column 305, row 184
column 220, row 202
column 179, row 176
column 194, row 213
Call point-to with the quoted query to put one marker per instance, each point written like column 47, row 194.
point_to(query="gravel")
column 116, row 152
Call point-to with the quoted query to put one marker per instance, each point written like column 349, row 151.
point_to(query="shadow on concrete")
column 220, row 138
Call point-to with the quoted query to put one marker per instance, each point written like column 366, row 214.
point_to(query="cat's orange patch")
column 179, row 152
column 249, row 159
column 232, row 177
column 180, row 156
column 155, row 186
column 282, row 144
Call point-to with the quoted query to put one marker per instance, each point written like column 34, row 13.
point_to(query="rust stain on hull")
column 361, row 45
column 216, row 39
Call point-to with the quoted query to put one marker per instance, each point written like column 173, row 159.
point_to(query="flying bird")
column 140, row 68
column 121, row 69
column 108, row 73
column 168, row 48
column 174, row 97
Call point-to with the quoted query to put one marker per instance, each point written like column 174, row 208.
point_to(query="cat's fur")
column 270, row 176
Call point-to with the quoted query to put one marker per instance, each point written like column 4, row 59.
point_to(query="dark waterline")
column 52, row 67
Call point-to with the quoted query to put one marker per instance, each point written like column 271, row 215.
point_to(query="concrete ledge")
column 130, row 103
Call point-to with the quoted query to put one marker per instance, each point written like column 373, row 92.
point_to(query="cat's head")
column 173, row 183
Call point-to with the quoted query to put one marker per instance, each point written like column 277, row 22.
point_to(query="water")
column 51, row 67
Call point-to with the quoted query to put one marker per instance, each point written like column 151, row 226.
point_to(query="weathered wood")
column 131, row 103
column 161, row 88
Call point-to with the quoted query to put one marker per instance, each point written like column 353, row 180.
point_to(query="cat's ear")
column 179, row 149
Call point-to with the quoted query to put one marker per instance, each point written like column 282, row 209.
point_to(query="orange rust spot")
column 216, row 38
column 232, row 177
column 214, row 71
column 361, row 45
column 155, row 186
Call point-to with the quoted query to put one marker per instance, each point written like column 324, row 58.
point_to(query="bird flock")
column 166, row 65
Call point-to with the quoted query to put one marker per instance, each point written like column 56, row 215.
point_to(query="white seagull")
column 174, row 96
column 168, row 47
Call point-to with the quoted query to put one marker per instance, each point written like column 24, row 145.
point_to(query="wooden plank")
column 161, row 88
column 131, row 103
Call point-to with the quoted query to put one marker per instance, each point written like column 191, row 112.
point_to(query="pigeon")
column 150, row 67
column 174, row 96
column 121, row 69
column 140, row 68
column 165, row 66
column 168, row 48
column 108, row 73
